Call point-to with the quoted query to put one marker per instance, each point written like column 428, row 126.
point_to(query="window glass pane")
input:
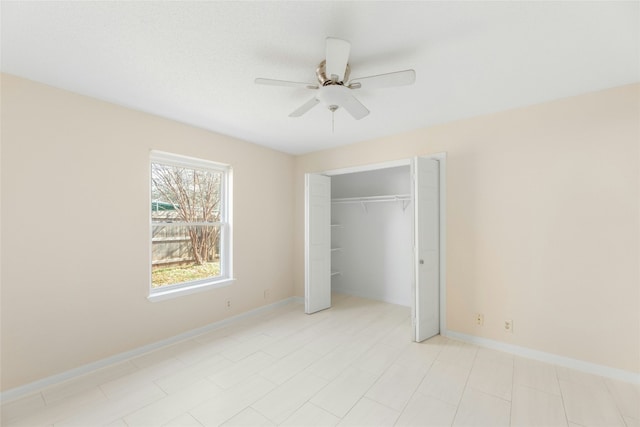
column 185, row 194
column 185, row 199
column 183, row 253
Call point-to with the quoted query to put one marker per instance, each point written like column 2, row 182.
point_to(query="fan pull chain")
column 333, row 109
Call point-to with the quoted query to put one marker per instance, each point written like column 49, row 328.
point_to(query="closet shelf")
column 404, row 198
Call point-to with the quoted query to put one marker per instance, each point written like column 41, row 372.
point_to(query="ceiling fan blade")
column 273, row 82
column 397, row 78
column 305, row 107
column 337, row 56
column 354, row 107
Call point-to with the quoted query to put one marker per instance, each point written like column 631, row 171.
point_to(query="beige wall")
column 542, row 222
column 543, row 226
column 75, row 233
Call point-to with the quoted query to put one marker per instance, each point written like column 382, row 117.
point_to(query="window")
column 190, row 227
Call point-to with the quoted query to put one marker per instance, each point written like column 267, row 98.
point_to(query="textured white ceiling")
column 195, row 62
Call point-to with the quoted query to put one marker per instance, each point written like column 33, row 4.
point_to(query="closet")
column 371, row 234
column 378, row 232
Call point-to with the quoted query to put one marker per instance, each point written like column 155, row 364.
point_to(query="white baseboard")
column 35, row 386
column 567, row 362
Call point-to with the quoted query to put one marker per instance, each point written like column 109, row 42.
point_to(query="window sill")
column 161, row 295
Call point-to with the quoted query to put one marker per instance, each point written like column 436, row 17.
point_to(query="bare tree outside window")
column 187, row 224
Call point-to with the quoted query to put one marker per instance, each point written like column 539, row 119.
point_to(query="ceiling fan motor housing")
column 324, row 80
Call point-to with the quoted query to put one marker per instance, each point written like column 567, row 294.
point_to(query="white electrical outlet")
column 508, row 326
column 479, row 319
column 228, row 304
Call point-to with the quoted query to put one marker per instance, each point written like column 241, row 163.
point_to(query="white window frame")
column 225, row 278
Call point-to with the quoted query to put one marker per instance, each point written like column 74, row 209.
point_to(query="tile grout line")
column 513, row 389
column 404, row 407
column 464, row 389
column 564, row 406
column 615, row 401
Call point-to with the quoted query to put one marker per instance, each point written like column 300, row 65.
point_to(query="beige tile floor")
column 351, row 365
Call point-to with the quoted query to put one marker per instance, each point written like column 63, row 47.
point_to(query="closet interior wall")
column 372, row 240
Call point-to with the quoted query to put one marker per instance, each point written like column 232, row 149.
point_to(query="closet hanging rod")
column 368, row 199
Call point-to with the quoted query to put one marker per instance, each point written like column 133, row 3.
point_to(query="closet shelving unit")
column 333, row 227
column 363, row 201
column 405, row 199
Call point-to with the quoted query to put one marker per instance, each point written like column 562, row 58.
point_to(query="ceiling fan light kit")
column 334, row 88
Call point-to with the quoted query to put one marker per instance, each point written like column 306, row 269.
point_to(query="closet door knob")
column 421, row 261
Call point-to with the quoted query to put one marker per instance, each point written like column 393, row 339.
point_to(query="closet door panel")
column 317, row 243
column 426, row 306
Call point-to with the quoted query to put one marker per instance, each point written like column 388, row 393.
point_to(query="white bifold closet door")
column 317, row 282
column 426, row 288
column 426, row 300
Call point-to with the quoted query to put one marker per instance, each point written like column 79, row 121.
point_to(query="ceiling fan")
column 334, row 89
